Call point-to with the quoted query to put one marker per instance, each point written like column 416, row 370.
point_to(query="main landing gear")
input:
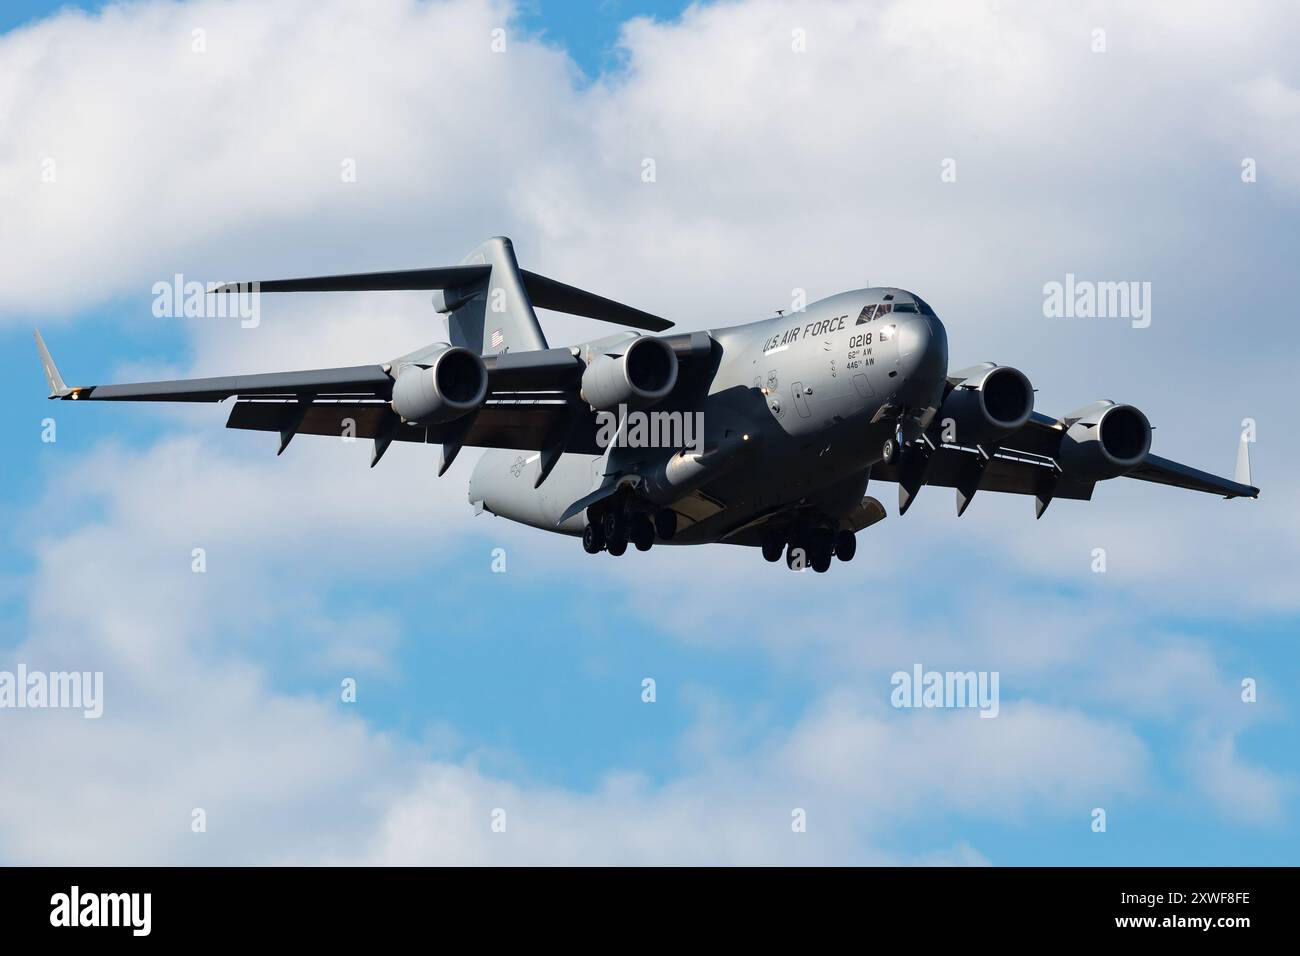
column 810, row 547
column 617, row 527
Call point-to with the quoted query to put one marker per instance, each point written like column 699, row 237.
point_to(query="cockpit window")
column 917, row 305
column 874, row 312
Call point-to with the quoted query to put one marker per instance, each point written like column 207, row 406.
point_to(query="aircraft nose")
column 922, row 353
column 913, row 339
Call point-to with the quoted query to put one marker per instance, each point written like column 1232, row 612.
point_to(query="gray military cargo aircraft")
column 763, row 434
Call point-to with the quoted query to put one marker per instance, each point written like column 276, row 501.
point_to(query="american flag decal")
column 497, row 338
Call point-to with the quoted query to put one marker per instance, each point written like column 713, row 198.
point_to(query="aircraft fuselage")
column 800, row 389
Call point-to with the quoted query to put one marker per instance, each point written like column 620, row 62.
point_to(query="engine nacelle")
column 991, row 402
column 644, row 374
column 1107, row 441
column 453, row 383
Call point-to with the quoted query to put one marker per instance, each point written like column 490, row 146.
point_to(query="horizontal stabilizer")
column 558, row 297
column 447, row 277
column 543, row 292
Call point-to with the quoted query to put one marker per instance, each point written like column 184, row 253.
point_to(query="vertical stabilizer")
column 498, row 317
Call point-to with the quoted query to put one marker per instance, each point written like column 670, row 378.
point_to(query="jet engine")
column 991, row 402
column 1106, row 441
column 644, row 374
column 452, row 384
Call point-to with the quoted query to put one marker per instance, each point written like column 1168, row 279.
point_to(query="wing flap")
column 1011, row 474
column 517, row 425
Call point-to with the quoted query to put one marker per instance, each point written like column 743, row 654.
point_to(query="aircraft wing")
column 1025, row 463
column 532, row 401
column 1042, row 435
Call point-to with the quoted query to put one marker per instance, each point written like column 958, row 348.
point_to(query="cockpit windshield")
column 917, row 305
column 874, row 312
column 924, row 306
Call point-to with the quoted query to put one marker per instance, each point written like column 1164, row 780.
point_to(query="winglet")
column 57, row 388
column 1242, row 473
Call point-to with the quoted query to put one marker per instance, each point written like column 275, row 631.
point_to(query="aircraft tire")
column 642, row 532
column 889, row 452
column 846, row 545
column 773, row 545
column 821, row 550
column 593, row 539
column 616, row 546
column 615, row 525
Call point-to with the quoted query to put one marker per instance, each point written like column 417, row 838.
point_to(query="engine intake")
column 988, row 404
column 451, row 385
column 1107, row 441
column 644, row 374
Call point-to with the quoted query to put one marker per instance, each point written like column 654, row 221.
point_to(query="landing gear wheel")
column 614, row 525
column 642, row 532
column 665, row 524
column 616, row 546
column 820, row 551
column 889, row 452
column 773, row 545
column 593, row 539
column 846, row 545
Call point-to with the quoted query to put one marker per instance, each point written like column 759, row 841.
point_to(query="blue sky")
column 523, row 689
